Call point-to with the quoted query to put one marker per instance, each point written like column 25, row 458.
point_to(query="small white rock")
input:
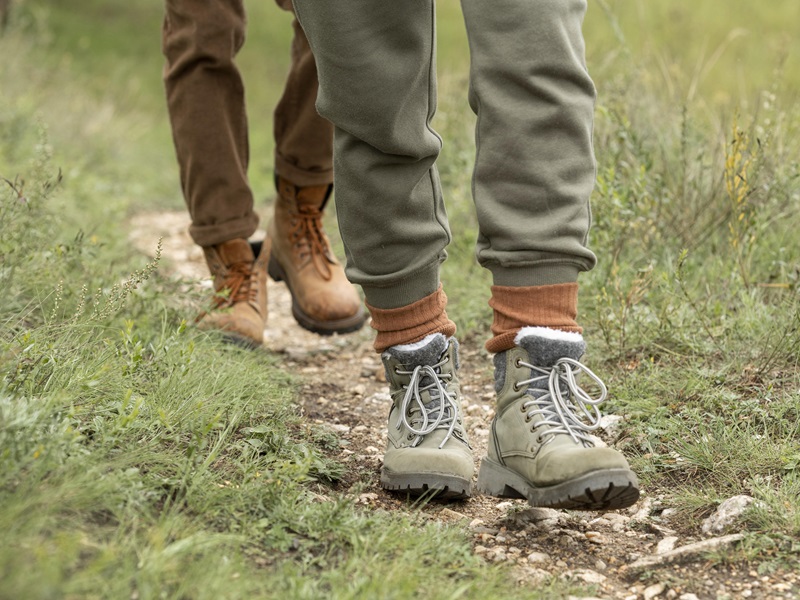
column 726, row 514
column 588, row 576
column 654, row 590
column 667, row 544
column 538, row 557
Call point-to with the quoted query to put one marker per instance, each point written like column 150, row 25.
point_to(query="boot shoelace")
column 426, row 419
column 308, row 236
column 559, row 403
column 239, row 282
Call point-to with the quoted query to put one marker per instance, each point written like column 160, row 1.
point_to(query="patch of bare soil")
column 631, row 554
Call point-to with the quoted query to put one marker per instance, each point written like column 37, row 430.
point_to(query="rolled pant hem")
column 211, row 235
column 302, row 177
column 420, row 285
column 549, row 273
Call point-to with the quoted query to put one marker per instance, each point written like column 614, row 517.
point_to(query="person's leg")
column 205, row 100
column 376, row 63
column 534, row 173
column 303, row 139
column 323, row 300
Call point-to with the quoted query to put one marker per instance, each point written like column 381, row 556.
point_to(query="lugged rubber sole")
column 346, row 325
column 599, row 490
column 440, row 486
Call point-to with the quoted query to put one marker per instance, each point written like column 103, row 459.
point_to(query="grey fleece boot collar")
column 427, row 351
column 545, row 346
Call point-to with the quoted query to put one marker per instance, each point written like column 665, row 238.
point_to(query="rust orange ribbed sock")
column 554, row 306
column 409, row 324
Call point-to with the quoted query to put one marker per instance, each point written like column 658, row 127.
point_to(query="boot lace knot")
column 564, row 407
column 238, row 286
column 310, row 239
column 440, row 412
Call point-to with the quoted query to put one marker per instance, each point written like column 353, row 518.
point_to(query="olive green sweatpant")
column 534, row 169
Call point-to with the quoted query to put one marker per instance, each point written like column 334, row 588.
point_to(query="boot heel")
column 493, row 481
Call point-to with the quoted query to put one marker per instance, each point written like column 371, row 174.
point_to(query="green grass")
column 118, row 478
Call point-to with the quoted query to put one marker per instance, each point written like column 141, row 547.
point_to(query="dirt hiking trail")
column 638, row 553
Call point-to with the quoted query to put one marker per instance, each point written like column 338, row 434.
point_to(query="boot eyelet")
column 539, row 439
column 516, row 387
column 410, row 437
column 527, row 419
column 522, row 408
column 518, row 363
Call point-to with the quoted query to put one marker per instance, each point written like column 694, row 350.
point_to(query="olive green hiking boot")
column 427, row 449
column 539, row 445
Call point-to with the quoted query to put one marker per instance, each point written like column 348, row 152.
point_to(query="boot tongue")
column 235, row 251
column 313, row 196
column 545, row 346
column 425, row 352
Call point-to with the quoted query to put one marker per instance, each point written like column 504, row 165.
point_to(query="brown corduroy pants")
column 206, row 104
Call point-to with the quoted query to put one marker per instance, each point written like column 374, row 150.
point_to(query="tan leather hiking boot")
column 427, row 450
column 240, row 282
column 323, row 301
column 539, row 445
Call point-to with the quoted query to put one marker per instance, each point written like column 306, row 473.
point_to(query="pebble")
column 727, row 514
column 588, row 576
column 654, row 590
column 641, row 510
column 452, row 515
column 360, row 428
column 667, row 544
column 611, row 424
column 688, row 597
column 340, row 427
column 595, row 537
column 359, row 390
column 372, row 450
column 533, row 515
column 538, row 557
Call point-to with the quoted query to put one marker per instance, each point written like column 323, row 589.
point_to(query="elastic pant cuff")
column 540, row 274
column 405, row 292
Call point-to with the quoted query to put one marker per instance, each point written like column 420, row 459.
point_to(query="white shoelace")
column 412, row 403
column 559, row 411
